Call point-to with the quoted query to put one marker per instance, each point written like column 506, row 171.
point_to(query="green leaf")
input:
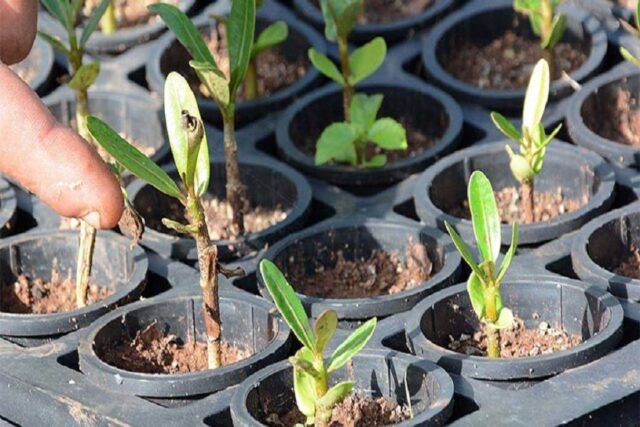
column 336, row 143
column 57, row 9
column 192, row 163
column 558, row 27
column 340, row 16
column 365, row 60
column 131, row 158
column 217, row 84
column 179, row 227
column 287, row 303
column 505, row 126
column 304, row 386
column 484, row 216
column 552, row 135
column 93, row 21
column 335, row 394
column 324, row 329
column 271, row 36
column 352, row 345
column 520, row 168
column 241, row 28
column 506, row 261
column 388, row 134
column 323, row 64
column 85, row 76
column 462, row 247
column 475, row 289
column 537, row 95
column 377, row 161
column 364, row 110
column 505, row 319
column 629, row 56
column 55, row 43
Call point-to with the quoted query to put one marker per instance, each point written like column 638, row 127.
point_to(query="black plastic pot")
column 597, row 98
column 602, row 245
column 482, row 22
column 357, row 238
column 578, row 308
column 169, row 56
column 116, row 265
column 391, row 31
column 269, row 184
column 248, row 322
column 576, row 171
column 375, row 373
column 432, row 111
column 119, row 41
column 40, row 60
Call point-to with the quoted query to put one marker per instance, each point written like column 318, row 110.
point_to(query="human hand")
column 45, row 157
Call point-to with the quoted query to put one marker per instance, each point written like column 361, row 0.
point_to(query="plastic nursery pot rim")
column 8, row 204
column 529, row 233
column 390, row 173
column 436, row 414
column 33, row 325
column 382, row 305
column 508, row 98
column 520, row 368
column 186, row 247
column 582, row 135
column 391, row 31
column 269, row 12
column 590, row 271
column 184, row 384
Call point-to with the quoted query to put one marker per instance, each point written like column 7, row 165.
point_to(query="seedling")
column 311, row 373
column 545, row 22
column 483, row 285
column 108, row 23
column 190, row 151
column 533, row 140
column 635, row 31
column 82, row 77
column 346, row 141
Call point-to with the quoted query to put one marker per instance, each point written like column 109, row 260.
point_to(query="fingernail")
column 93, row 219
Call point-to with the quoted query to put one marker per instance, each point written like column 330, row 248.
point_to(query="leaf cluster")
column 635, row 31
column 340, row 16
column 545, row 22
column 311, row 372
column 483, row 285
column 533, row 140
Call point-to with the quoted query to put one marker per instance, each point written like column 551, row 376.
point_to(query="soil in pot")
column 506, row 61
column 614, row 115
column 381, row 273
column 154, row 352
column 129, row 13
column 383, row 11
column 356, row 410
column 517, row 341
column 629, row 267
column 548, row 205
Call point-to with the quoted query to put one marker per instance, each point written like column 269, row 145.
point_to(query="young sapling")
column 483, row 285
column 345, row 142
column 635, row 31
column 190, row 152
column 546, row 23
column 533, row 139
column 311, row 373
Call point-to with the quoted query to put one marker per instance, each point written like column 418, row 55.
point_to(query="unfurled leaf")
column 241, row 28
column 304, row 389
column 93, row 21
column 558, row 27
column 505, row 319
column 536, row 96
column 388, row 134
column 484, row 216
column 336, row 394
column 271, row 36
column 506, row 261
column 85, row 76
column 131, row 158
column 324, row 328
column 326, row 66
column 352, row 345
column 216, row 84
column 377, row 161
column 336, row 143
column 365, row 60
column 59, row 10
column 505, row 126
column 364, row 110
column 340, row 16
column 55, row 43
column 475, row 289
column 287, row 302
column 463, row 249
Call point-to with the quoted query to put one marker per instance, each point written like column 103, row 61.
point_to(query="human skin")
column 40, row 154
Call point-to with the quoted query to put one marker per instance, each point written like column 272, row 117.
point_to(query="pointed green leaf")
column 335, row 394
column 629, row 56
column 336, row 143
column 55, row 43
column 552, row 135
column 287, row 303
column 352, row 345
column 505, row 126
column 326, row 66
column 506, row 261
column 347, row 14
column 85, row 76
column 558, row 28
column 364, row 110
column 304, row 390
column 475, row 289
column 388, row 134
column 93, row 21
column 216, row 84
column 131, row 158
column 505, row 319
column 241, row 28
column 484, row 216
column 271, row 36
column 462, row 247
column 365, row 60
column 324, row 328
column 537, row 95
column 57, row 9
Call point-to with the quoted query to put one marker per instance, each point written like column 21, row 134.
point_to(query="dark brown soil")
column 548, row 205
column 630, row 267
column 615, row 117
column 381, row 273
column 153, row 352
column 382, row 11
column 35, row 296
column 517, row 341
column 356, row 410
column 506, row 62
column 129, row 13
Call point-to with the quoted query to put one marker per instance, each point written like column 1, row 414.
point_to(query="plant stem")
column 108, row 24
column 251, row 81
column 323, row 415
column 347, row 90
column 493, row 334
column 207, row 261
column 528, row 201
column 547, row 25
column 236, row 191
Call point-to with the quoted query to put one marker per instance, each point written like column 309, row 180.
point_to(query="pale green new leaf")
column 336, row 143
column 304, row 387
column 505, row 126
column 388, row 134
column 629, row 56
column 217, row 85
column 520, row 168
column 536, row 96
column 352, row 345
column 273, row 35
column 93, row 21
column 324, row 328
column 364, row 110
column 326, row 66
column 365, row 60
column 335, row 394
column 506, row 261
column 377, row 161
column 505, row 319
column 85, row 76
column 475, row 289
column 484, row 216
column 241, row 28
column 462, row 247
column 559, row 25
